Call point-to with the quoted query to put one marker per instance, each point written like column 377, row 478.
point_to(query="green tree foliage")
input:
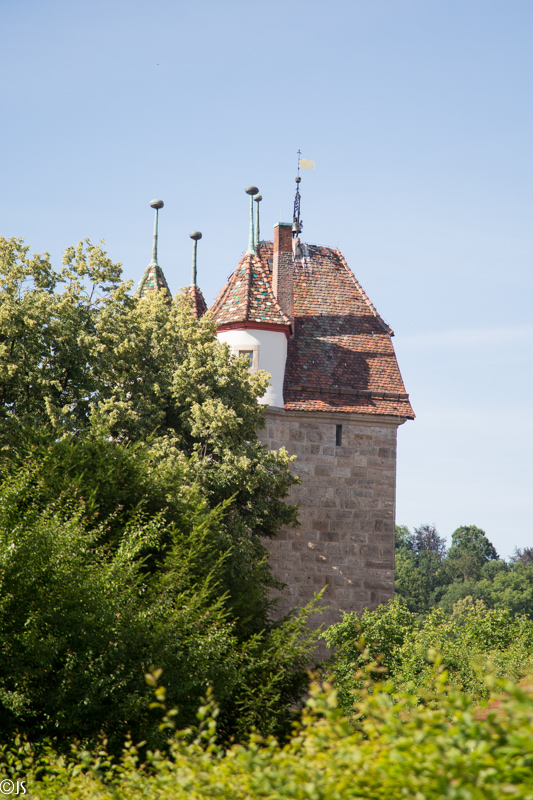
column 78, row 623
column 394, row 747
column 471, row 642
column 81, row 622
column 428, row 576
column 134, row 495
column 509, row 588
column 470, row 551
column 80, row 358
column 420, row 567
column 373, row 637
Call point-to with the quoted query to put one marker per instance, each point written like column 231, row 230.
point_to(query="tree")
column 426, row 539
column 134, row 496
column 510, row 588
column 81, row 622
column 361, row 639
column 91, row 361
column 523, row 556
column 469, row 552
column 420, row 571
column 468, row 643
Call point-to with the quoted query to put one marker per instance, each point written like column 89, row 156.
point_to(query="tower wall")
column 269, row 352
column 345, row 541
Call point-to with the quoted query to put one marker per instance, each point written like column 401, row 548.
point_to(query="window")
column 249, row 355
column 249, row 351
column 338, row 435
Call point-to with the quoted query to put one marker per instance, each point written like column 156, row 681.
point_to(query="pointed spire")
column 251, row 190
column 153, row 277
column 157, row 204
column 195, row 236
column 257, row 199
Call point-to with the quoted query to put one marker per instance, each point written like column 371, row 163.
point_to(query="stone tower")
column 336, row 400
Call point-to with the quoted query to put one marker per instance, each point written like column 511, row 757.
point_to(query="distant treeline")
column 428, row 574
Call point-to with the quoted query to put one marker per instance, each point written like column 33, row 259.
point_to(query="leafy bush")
column 395, row 747
column 81, row 622
column 472, row 642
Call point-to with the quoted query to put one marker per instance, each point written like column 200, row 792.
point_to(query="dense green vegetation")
column 133, row 495
column 394, row 644
column 464, row 606
column 395, row 746
column 428, row 575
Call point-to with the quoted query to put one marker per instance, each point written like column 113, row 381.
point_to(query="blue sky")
column 419, row 118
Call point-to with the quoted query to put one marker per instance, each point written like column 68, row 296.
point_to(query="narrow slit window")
column 338, row 435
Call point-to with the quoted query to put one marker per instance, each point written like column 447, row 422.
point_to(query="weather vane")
column 297, row 223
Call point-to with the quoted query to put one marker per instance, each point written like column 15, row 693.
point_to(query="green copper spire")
column 153, row 278
column 195, row 236
column 257, row 199
column 251, row 190
column 157, row 204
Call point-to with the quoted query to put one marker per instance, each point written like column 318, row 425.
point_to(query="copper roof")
column 340, row 357
column 152, row 279
column 248, row 296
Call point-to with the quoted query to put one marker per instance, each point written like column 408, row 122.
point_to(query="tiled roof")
column 199, row 306
column 248, row 295
column 340, row 357
column 152, row 279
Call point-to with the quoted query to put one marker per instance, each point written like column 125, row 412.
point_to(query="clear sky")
column 419, row 117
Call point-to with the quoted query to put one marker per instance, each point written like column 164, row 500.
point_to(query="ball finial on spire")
column 157, row 204
column 251, row 190
column 195, row 236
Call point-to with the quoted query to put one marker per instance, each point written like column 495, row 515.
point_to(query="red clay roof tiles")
column 199, row 306
column 248, row 295
column 340, row 357
column 152, row 279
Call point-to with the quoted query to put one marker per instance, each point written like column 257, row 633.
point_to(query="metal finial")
column 195, row 236
column 297, row 223
column 251, row 190
column 157, row 204
column 257, row 199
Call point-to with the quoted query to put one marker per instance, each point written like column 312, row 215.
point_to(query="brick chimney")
column 282, row 268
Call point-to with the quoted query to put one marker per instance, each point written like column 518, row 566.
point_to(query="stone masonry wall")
column 347, row 506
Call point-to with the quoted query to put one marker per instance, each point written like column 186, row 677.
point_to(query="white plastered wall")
column 269, row 350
